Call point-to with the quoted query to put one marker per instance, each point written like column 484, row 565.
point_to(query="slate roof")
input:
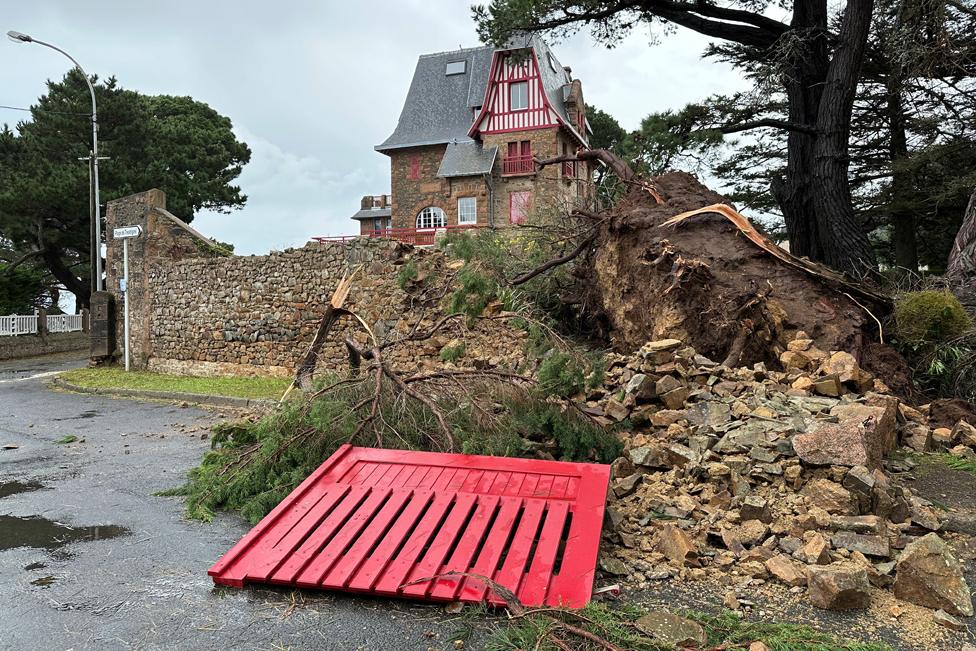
column 466, row 159
column 372, row 212
column 440, row 108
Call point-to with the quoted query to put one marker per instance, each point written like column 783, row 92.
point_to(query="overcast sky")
column 312, row 86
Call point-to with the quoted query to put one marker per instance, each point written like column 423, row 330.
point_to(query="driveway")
column 90, row 558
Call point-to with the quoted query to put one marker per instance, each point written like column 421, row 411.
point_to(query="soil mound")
column 703, row 282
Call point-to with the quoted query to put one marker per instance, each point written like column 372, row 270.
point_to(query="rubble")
column 838, row 587
column 928, row 574
column 760, row 475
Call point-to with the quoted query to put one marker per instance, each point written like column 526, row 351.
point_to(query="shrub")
column 929, row 317
column 407, row 274
column 452, row 353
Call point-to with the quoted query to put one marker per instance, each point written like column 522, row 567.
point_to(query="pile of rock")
column 761, row 475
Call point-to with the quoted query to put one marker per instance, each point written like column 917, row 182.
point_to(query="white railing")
column 17, row 324
column 22, row 324
column 63, row 322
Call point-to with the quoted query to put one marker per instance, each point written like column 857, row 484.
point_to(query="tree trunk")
column 962, row 257
column 902, row 183
column 845, row 244
column 75, row 285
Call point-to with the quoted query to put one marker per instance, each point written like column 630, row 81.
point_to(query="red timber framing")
column 376, row 521
column 497, row 114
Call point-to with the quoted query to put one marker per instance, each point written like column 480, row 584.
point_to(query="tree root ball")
column 703, row 282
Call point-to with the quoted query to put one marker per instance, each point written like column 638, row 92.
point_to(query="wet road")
column 91, row 559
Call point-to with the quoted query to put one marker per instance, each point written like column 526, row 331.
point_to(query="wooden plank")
column 491, row 551
column 536, row 584
column 464, row 553
column 397, row 570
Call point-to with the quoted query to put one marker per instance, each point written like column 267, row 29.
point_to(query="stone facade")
column 195, row 312
column 413, row 175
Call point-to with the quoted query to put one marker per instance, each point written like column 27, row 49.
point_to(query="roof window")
column 552, row 63
column 454, row 68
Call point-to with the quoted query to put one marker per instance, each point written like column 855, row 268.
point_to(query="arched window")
column 431, row 217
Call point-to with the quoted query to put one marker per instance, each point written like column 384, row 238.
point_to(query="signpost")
column 124, row 234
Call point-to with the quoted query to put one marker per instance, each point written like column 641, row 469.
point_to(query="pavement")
column 91, row 559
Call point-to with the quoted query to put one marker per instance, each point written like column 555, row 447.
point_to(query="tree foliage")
column 176, row 144
column 21, row 290
column 814, row 63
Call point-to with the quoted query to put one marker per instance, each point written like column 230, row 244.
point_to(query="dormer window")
column 455, row 68
column 519, row 95
column 552, row 63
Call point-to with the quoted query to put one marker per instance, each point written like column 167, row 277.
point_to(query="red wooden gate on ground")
column 371, row 520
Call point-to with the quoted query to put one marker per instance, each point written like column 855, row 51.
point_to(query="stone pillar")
column 133, row 210
column 85, row 320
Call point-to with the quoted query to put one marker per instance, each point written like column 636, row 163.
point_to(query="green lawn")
column 237, row 387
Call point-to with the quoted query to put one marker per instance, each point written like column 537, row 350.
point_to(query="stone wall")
column 195, row 312
column 33, row 345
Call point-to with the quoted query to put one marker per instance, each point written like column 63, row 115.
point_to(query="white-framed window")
column 519, row 95
column 468, row 210
column 454, row 68
column 431, row 217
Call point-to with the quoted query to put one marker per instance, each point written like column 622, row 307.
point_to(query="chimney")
column 569, row 72
column 366, row 203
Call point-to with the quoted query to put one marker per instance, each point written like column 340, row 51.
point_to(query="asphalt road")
column 91, row 559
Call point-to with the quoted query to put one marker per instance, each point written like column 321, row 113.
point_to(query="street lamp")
column 18, row 37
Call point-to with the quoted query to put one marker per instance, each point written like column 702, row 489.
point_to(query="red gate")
column 371, row 520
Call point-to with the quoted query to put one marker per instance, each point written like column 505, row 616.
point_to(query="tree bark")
column 962, row 257
column 64, row 275
column 902, row 184
column 844, row 241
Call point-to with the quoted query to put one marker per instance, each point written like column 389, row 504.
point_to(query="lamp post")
column 96, row 253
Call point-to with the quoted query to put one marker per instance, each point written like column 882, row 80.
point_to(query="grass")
column 64, row 440
column 616, row 625
column 235, row 387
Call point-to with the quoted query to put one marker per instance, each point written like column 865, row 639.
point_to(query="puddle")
column 41, row 533
column 9, row 488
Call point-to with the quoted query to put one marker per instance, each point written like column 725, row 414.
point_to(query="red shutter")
column 526, row 149
column 415, row 167
column 519, row 204
column 513, row 150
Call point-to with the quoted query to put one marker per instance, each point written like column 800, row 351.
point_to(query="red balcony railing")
column 513, row 165
column 569, row 169
column 415, row 236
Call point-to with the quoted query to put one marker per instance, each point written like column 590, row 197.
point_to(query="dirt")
column 948, row 412
column 701, row 274
column 942, row 485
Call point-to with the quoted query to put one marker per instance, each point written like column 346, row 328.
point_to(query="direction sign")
column 127, row 231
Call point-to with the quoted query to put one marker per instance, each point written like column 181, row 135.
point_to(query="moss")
column 452, row 353
column 930, row 317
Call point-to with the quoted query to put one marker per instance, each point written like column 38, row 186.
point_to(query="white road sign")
column 127, row 231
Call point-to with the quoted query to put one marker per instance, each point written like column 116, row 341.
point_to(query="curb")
column 192, row 398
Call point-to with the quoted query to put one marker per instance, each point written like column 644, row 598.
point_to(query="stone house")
column 462, row 151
